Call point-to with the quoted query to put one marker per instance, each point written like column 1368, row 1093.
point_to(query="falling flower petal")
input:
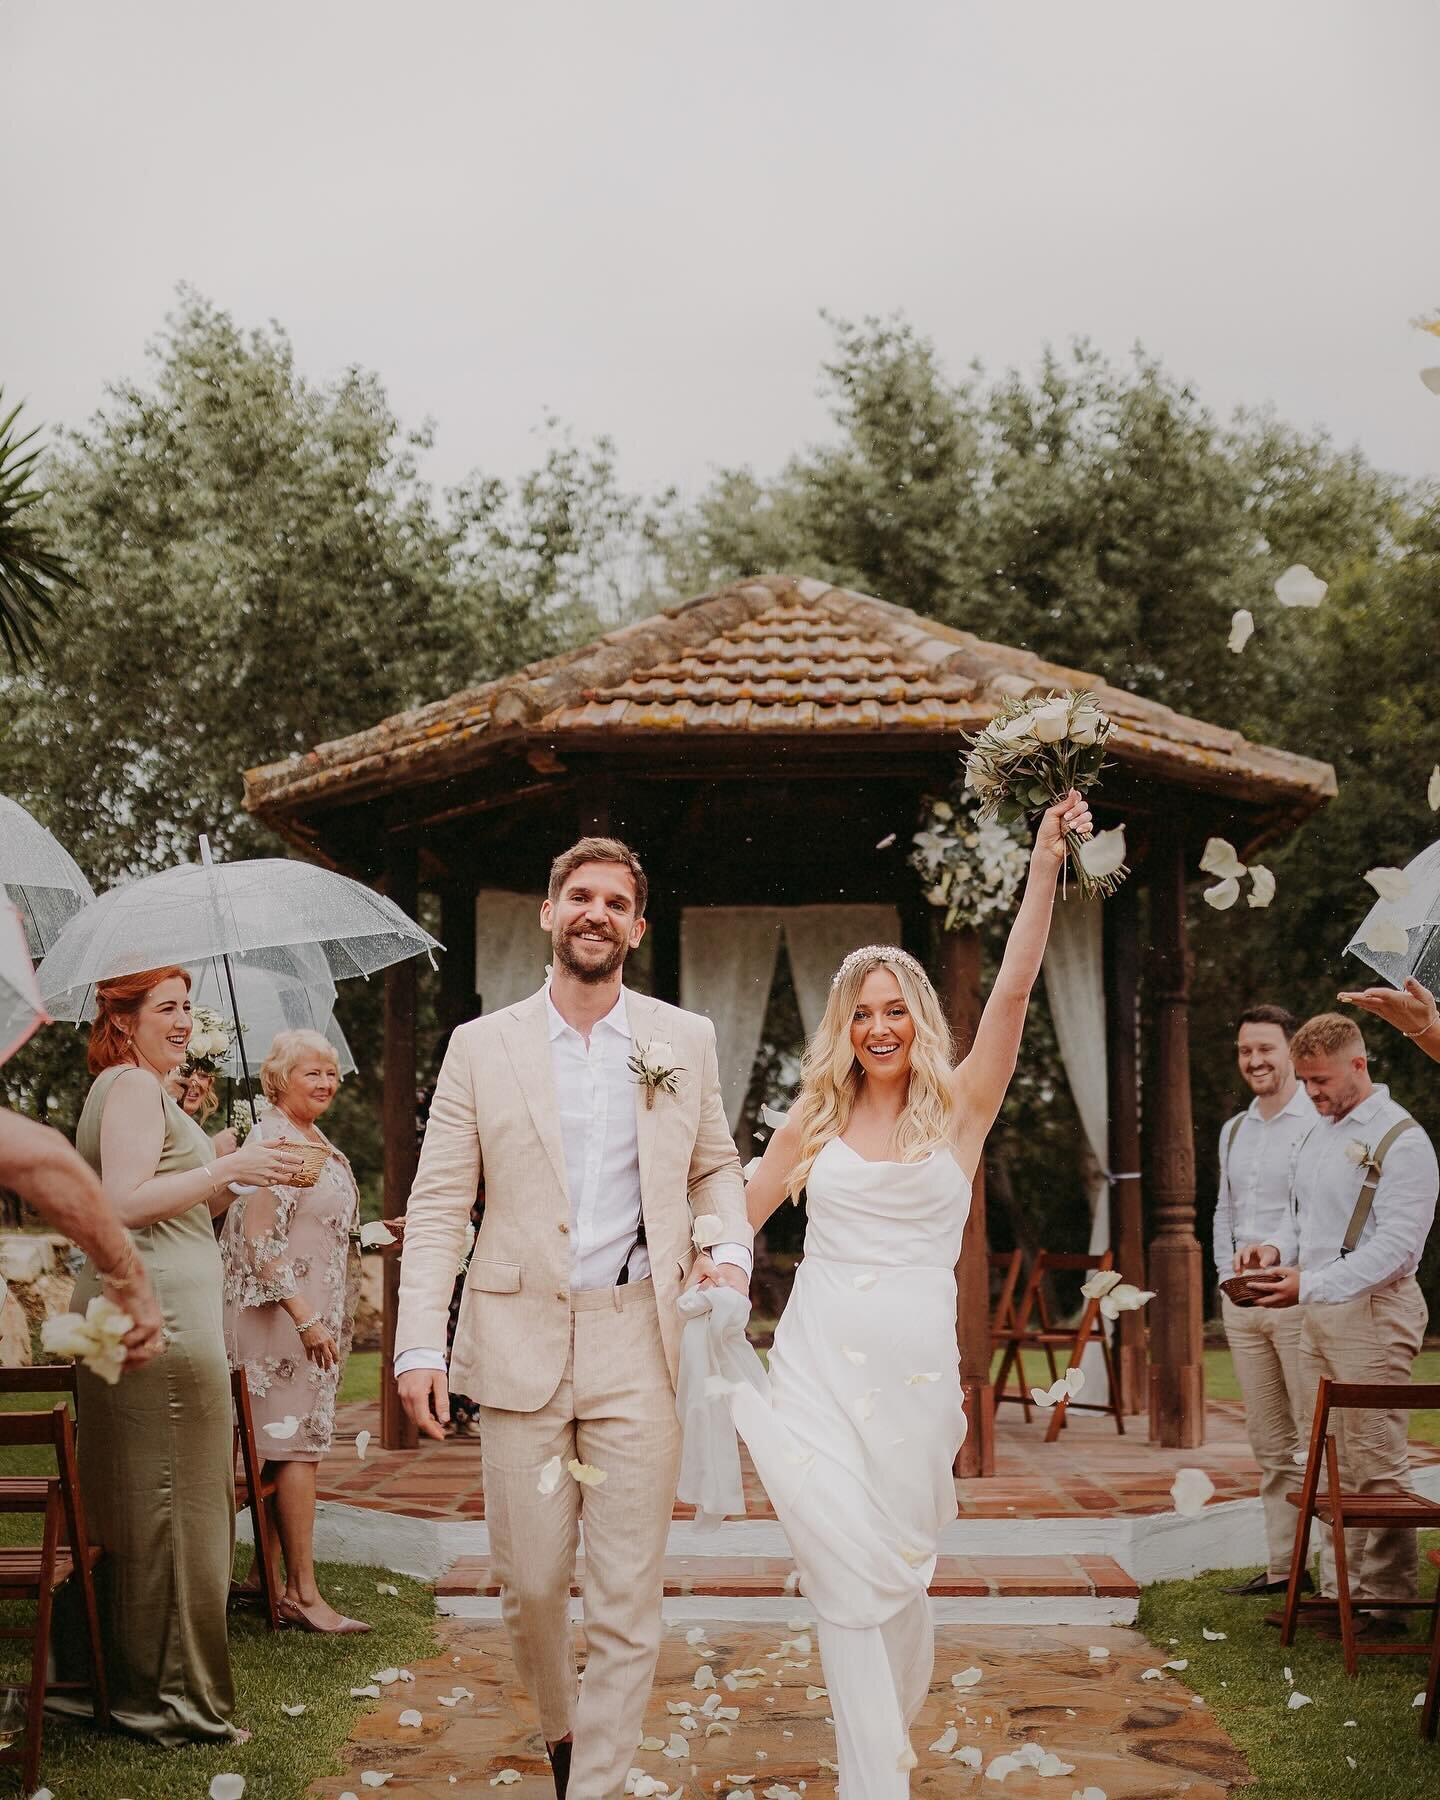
column 362, row 1444
column 375, row 1235
column 1103, row 854
column 865, row 1405
column 1432, row 791
column 1389, row 884
column 1066, row 1388
column 1431, row 378
column 286, row 1428
column 227, row 1787
column 1387, row 936
column 550, row 1476
column 1299, row 587
column 1125, row 1297
column 1101, row 1283
column 1223, row 895
column 773, row 1117
column 709, row 1228
column 585, row 1473
column 886, row 842
column 1262, row 885
column 1242, row 629
column 1219, row 859
column 1190, row 1490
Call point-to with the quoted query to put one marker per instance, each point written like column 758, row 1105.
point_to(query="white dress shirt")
column 1326, row 1183
column 1254, row 1198
column 595, row 1097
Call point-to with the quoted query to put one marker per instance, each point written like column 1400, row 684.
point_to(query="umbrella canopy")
column 21, row 1011
column 199, row 911
column 285, row 989
column 1416, row 912
column 40, row 876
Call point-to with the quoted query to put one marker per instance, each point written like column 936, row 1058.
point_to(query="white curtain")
column 1075, row 989
column 727, row 966
column 511, row 951
column 819, row 938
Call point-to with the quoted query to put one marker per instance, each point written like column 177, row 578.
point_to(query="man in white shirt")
column 1350, row 1265
column 1256, row 1147
column 594, row 1116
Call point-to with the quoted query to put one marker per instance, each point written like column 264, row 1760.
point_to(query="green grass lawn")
column 1299, row 1755
column 271, row 1670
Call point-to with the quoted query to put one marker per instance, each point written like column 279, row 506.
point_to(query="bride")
column 856, row 1437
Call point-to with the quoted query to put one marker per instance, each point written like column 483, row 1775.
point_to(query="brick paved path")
column 1134, row 1739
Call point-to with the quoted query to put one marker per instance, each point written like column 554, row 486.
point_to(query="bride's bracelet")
column 310, row 1324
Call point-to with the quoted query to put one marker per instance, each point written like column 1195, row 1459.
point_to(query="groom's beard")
column 588, row 964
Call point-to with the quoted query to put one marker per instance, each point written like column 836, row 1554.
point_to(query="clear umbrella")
column 21, row 1009
column 284, row 989
column 1413, row 912
column 40, row 876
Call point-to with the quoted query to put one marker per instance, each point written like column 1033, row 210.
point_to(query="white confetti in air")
column 886, row 841
column 1223, row 895
column 1190, row 1491
column 362, row 1444
column 1242, row 629
column 1432, row 790
column 774, row 1118
column 1299, row 587
column 1389, row 884
column 1066, row 1388
column 1387, row 936
column 1125, row 1297
column 286, row 1428
column 865, row 1405
column 550, row 1476
column 1103, row 854
column 1219, row 859
column 1262, row 886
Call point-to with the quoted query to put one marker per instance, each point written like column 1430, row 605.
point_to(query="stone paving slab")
column 1134, row 1739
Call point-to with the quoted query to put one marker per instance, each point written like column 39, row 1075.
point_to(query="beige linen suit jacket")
column 494, row 1119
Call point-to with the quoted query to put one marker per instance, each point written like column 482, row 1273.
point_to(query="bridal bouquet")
column 1030, row 755
column 972, row 866
column 211, row 1039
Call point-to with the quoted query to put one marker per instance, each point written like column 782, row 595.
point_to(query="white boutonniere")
column 1361, row 1155
column 655, row 1068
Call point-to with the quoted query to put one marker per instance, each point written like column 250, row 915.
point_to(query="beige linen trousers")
column 588, row 1375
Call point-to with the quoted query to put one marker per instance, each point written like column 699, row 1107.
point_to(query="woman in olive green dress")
column 155, row 1450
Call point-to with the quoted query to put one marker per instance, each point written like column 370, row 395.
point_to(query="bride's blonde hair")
column 831, row 1076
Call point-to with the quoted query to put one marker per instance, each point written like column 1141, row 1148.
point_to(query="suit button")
column 562, row 1226
column 562, row 1295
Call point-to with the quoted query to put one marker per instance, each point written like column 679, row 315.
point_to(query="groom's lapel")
column 640, row 1010
column 526, row 1031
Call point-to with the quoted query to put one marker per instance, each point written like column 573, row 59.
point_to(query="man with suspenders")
column 1363, row 1191
column 1256, row 1148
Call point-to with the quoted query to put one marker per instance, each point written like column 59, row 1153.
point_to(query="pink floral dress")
column 277, row 1243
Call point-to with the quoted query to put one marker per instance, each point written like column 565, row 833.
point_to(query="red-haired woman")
column 156, row 1464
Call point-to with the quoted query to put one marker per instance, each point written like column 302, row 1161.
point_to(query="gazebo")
column 767, row 749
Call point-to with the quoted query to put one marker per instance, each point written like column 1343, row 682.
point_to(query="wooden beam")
column 1177, row 1369
column 1122, row 1061
column 957, row 959
column 398, row 1118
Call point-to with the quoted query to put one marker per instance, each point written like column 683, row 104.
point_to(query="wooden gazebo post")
column 1177, row 1368
column 1122, row 982
column 398, row 1114
column 958, row 962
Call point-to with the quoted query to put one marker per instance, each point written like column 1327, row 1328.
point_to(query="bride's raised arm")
column 980, row 1082
column 766, row 1187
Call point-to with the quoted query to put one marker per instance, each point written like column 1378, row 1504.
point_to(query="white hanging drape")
column 727, row 966
column 819, row 938
column 1075, row 988
column 511, row 951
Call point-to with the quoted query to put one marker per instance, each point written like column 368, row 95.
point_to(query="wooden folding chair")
column 1006, row 1265
column 253, row 1488
column 1342, row 1512
column 1046, row 1335
column 34, row 1574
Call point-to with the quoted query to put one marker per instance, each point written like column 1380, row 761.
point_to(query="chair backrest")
column 1075, row 1259
column 41, row 1378
column 35, row 1427
column 57, row 1429
column 1050, row 1262
column 1392, row 1395
column 1005, row 1264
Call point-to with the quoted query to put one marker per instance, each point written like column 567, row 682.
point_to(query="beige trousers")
column 1375, row 1338
column 614, row 1409
column 1265, row 1348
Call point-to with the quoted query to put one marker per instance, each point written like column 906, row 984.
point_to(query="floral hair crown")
column 879, row 953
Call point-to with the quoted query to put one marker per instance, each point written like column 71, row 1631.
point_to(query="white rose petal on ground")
column 969, row 1756
column 1001, row 1766
column 1098, row 1653
column 1387, row 937
column 362, row 1444
column 1219, row 859
column 292, row 1712
column 946, row 1742
column 1223, row 895
column 1419, row 1699
column 287, row 1427
column 967, row 1678
column 1297, row 1700
column 1103, row 854
column 387, row 1587
column 378, row 1777
column 704, row 1676
column 1262, row 885
column 585, row 1473
column 1242, row 629
column 1050, row 1764
column 505, row 1778
column 227, row 1787
column 1389, row 884
column 369, row 1692
column 1152, row 1674
column 1190, row 1491
column 1298, row 586
column 1182, row 1663
column 410, row 1717
column 1212, row 1637
column 386, row 1676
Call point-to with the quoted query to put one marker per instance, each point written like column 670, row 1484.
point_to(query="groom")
column 593, row 1116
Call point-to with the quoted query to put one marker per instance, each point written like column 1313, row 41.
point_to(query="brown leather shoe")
column 560, row 1765
column 1262, row 1584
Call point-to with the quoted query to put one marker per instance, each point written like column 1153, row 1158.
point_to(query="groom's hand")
column 425, row 1395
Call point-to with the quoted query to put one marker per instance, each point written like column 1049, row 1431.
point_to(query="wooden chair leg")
column 1430, row 1717
column 40, row 1650
column 1112, row 1373
column 1342, row 1571
column 99, row 1680
column 264, row 1548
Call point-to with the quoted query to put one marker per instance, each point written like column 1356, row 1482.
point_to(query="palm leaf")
column 32, row 576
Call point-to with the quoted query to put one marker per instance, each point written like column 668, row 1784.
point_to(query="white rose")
column 1356, row 1152
column 659, row 1057
column 1051, row 721
column 1086, row 725
column 1018, row 730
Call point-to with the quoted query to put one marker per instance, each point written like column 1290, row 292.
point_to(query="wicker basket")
column 313, row 1159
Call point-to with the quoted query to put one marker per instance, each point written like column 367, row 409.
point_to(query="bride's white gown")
column 856, row 1444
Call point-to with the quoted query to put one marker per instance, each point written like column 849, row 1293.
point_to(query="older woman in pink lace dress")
column 292, row 1261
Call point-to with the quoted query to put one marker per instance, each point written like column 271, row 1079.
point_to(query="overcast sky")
column 631, row 213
